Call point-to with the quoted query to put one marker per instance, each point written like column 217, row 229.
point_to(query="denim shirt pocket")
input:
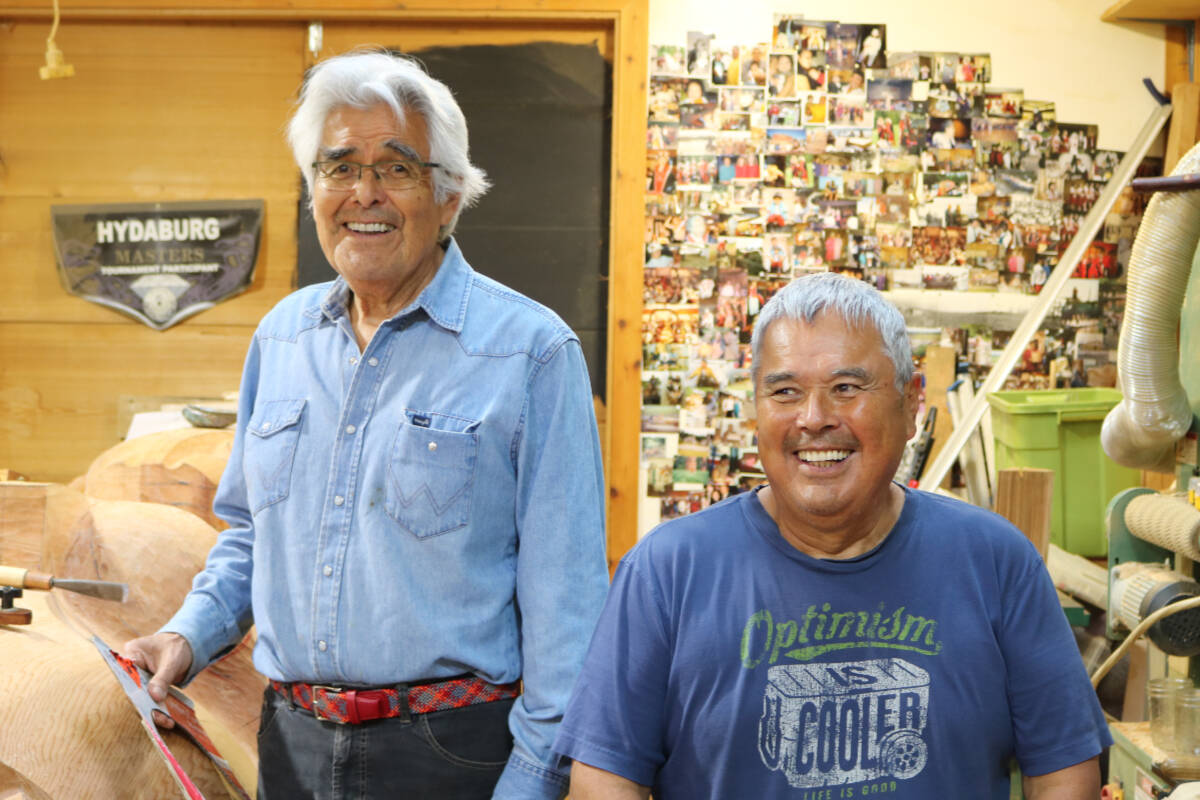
column 270, row 450
column 431, row 472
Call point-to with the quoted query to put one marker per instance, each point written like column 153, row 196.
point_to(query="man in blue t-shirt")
column 833, row 635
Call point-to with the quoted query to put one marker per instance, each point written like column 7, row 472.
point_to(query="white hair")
column 365, row 78
column 859, row 304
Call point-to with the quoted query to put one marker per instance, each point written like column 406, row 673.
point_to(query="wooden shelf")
column 1152, row 9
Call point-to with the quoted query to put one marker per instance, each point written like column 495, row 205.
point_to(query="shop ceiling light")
column 55, row 67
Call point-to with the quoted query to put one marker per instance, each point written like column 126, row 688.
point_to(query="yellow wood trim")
column 1113, row 12
column 1128, row 10
column 1176, row 57
column 327, row 10
column 630, row 67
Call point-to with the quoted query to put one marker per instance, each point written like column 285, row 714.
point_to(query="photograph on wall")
column 819, row 150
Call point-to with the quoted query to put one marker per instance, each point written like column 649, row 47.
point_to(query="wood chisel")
column 25, row 579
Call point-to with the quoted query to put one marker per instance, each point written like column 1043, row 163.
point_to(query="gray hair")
column 366, row 78
column 859, row 304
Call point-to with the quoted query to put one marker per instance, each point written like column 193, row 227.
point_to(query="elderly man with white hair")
column 415, row 492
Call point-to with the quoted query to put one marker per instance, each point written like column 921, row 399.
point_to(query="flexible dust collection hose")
column 1141, row 431
column 1167, row 521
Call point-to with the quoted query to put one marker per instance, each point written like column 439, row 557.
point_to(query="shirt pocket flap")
column 273, row 416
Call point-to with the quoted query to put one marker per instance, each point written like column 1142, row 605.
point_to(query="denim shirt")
column 431, row 506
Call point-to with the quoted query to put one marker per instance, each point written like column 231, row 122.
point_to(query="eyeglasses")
column 399, row 174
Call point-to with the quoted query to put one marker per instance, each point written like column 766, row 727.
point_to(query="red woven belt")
column 352, row 706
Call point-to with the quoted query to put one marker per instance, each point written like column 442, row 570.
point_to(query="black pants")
column 448, row 755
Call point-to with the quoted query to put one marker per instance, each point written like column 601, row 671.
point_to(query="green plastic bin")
column 1060, row 430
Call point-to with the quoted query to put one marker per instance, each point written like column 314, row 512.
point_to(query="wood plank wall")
column 149, row 116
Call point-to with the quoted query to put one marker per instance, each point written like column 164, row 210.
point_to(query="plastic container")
column 1060, row 430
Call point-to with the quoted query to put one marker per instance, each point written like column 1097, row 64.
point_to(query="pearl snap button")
column 432, row 446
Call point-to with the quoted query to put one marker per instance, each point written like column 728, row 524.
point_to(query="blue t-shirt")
column 728, row 664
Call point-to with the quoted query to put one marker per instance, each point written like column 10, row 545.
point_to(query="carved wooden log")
column 15, row 786
column 155, row 549
column 177, row 468
column 61, row 705
column 68, row 726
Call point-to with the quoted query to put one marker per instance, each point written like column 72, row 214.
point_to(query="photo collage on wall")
column 821, row 149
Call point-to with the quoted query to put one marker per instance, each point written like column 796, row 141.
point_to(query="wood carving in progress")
column 61, row 703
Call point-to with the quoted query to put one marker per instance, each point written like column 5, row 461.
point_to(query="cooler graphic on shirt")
column 830, row 724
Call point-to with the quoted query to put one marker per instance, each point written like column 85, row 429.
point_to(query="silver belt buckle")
column 316, row 707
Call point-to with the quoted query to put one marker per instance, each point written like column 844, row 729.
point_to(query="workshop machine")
column 1154, row 537
column 1152, row 559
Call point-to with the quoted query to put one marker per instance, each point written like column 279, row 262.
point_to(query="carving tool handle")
column 25, row 579
column 13, row 576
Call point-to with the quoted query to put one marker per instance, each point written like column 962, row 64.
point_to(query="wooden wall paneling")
column 149, row 116
column 59, row 399
column 156, row 112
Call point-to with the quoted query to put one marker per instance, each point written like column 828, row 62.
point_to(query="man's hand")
column 167, row 657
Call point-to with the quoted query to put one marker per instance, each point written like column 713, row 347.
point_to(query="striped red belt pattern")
column 354, row 706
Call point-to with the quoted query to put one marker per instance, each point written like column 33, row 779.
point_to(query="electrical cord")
column 1143, row 626
column 54, row 26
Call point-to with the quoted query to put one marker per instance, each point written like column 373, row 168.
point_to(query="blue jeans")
column 448, row 755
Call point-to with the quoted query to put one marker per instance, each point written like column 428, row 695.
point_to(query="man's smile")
column 822, row 456
column 370, row 227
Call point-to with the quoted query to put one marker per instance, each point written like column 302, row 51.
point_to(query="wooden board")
column 1025, row 497
column 1151, row 9
column 1185, row 124
column 939, row 370
column 1176, row 63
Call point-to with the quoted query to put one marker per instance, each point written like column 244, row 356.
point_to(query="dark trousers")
column 449, row 755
